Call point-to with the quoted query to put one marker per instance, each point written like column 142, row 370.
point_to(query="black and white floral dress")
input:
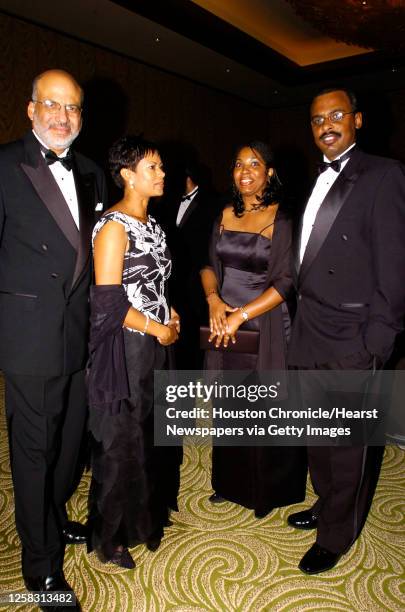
column 147, row 264
column 134, row 484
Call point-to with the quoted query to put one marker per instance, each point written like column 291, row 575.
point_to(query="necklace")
column 255, row 208
column 143, row 220
column 127, row 211
column 129, row 205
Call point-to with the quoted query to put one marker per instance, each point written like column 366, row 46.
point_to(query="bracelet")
column 146, row 324
column 244, row 314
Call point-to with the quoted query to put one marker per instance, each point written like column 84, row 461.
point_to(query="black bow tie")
column 51, row 158
column 336, row 164
column 189, row 196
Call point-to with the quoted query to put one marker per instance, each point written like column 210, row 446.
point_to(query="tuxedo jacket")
column 188, row 244
column 351, row 283
column 45, row 262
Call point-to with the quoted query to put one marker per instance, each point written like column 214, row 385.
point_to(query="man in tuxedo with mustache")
column 48, row 198
column 350, row 257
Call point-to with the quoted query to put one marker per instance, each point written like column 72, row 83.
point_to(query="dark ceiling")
column 258, row 50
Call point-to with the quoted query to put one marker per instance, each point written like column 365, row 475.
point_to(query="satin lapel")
column 86, row 197
column 46, row 187
column 328, row 212
column 192, row 206
column 297, row 233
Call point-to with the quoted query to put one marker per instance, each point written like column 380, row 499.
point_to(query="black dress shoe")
column 216, row 499
column 318, row 559
column 51, row 584
column 119, row 556
column 259, row 514
column 303, row 520
column 153, row 544
column 122, row 557
column 75, row 533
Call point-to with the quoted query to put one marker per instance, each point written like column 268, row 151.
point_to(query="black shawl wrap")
column 107, row 378
column 272, row 343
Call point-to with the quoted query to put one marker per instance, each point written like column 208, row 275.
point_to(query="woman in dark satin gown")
column 246, row 285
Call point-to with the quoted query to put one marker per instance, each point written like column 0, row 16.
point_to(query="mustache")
column 338, row 134
column 60, row 124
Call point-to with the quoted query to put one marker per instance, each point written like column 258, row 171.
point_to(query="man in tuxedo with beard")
column 48, row 198
column 350, row 262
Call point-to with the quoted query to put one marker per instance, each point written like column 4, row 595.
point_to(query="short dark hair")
column 273, row 190
column 127, row 152
column 192, row 170
column 349, row 93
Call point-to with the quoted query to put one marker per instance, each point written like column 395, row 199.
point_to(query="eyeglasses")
column 333, row 117
column 54, row 107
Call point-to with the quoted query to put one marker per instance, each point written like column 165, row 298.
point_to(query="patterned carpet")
column 222, row 558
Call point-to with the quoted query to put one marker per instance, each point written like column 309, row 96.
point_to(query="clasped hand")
column 223, row 326
column 172, row 329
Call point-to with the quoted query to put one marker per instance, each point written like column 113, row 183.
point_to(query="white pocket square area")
column 99, row 206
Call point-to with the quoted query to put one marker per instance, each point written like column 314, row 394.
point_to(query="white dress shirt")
column 65, row 181
column 321, row 188
column 185, row 204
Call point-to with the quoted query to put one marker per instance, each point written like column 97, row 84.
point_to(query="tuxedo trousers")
column 46, row 420
column 343, row 477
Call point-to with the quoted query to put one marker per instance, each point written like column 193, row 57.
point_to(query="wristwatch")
column 244, row 314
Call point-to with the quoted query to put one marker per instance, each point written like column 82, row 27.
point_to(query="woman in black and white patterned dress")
column 133, row 484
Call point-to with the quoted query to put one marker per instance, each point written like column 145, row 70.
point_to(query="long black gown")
column 259, row 478
column 134, row 484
